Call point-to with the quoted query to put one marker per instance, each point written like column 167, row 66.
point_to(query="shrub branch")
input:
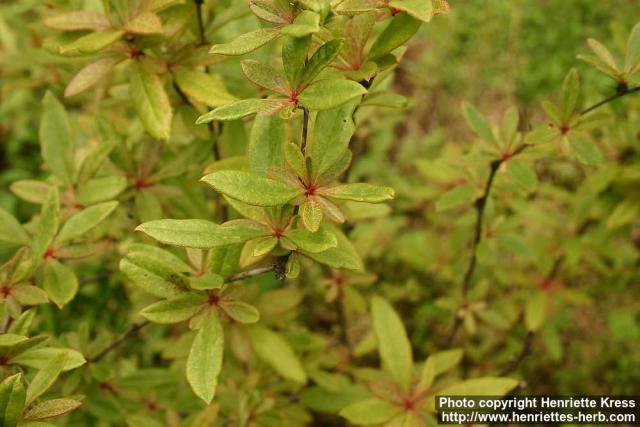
column 481, row 203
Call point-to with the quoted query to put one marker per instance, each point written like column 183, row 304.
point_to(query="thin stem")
column 527, row 349
column 137, row 326
column 481, row 203
column 251, row 273
column 200, row 21
column 622, row 92
column 305, row 130
column 122, row 338
column 527, row 346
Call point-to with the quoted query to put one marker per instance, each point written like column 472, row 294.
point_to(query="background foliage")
column 507, row 261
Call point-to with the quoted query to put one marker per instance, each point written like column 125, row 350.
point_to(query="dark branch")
column 305, row 130
column 200, row 22
column 122, row 338
column 623, row 91
column 527, row 349
column 251, row 273
column 137, row 326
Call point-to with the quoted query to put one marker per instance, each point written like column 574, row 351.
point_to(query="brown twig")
column 250, row 273
column 527, row 346
column 201, row 32
column 137, row 326
column 305, row 130
column 121, row 338
column 481, row 203
column 622, row 91
column 527, row 349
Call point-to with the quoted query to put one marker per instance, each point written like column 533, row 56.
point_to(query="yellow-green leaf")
column 393, row 343
column 205, row 359
column 151, row 102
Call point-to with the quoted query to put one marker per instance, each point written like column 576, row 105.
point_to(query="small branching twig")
column 480, row 205
column 527, row 345
column 137, row 326
column 622, row 91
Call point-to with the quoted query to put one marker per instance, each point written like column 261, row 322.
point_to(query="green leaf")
column 202, row 87
column 273, row 349
column 586, row 151
column 455, row 197
column 196, row 233
column 295, row 159
column 60, row 282
column 632, row 57
column 478, row 123
column 262, row 245
column 570, row 93
column 624, row 213
column 151, row 102
column 447, row 359
column 206, row 282
column 144, row 23
column 602, row 53
column 240, row 311
column 276, row 12
column 305, row 24
column 45, row 377
column 266, row 144
column 328, row 94
column 147, row 280
column 343, row 255
column 393, row 343
column 56, row 140
column 428, row 374
column 522, row 174
column 205, row 359
column 294, row 57
column 12, row 398
column 77, row 20
column 10, row 229
column 9, row 340
column 91, row 74
column 332, row 131
column 318, row 241
column 242, row 108
column 369, row 412
column 101, row 189
column 85, row 220
column 485, row 386
column 419, row 9
column 535, row 310
column 142, row 420
column 251, row 188
column 37, row 358
column 385, row 99
column 401, row 28
column 174, row 310
column 52, row 408
column 47, row 225
column 322, row 58
column 91, row 43
column 265, row 76
column 360, row 192
column 311, row 214
column 247, row 42
column 30, row 295
column 30, row 190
